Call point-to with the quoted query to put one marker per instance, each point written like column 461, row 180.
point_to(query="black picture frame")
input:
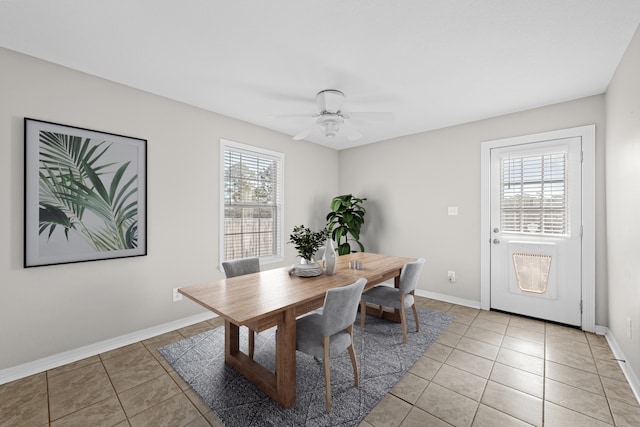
column 85, row 194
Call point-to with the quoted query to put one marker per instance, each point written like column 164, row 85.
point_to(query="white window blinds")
column 252, row 201
column 534, row 197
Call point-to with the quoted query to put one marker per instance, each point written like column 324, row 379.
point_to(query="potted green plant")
column 344, row 220
column 307, row 242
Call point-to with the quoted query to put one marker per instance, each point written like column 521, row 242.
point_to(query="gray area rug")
column 382, row 360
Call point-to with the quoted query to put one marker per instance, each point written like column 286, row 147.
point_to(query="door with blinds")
column 536, row 230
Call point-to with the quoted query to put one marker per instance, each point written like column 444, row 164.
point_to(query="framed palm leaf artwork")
column 85, row 194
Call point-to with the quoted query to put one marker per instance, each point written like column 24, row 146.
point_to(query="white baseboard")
column 448, row 298
column 50, row 362
column 627, row 370
column 601, row 330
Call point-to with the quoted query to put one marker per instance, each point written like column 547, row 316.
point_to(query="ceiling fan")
column 331, row 120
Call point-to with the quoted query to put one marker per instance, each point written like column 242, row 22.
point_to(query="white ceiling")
column 433, row 63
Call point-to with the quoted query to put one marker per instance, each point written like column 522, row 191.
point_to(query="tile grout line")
column 604, row 390
column 544, row 378
column 126, row 417
column 545, row 344
column 149, row 380
column 46, row 377
column 475, row 414
column 493, row 365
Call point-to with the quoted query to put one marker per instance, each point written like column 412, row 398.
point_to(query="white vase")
column 329, row 258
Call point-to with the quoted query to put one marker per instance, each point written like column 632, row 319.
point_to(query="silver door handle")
column 496, row 241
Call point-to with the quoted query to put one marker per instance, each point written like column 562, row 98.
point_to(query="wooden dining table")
column 276, row 298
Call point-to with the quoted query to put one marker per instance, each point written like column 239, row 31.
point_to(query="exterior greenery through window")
column 252, row 194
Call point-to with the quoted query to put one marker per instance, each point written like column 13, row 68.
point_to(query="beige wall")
column 49, row 310
column 623, row 202
column 410, row 182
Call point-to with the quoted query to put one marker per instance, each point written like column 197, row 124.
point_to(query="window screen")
column 252, row 200
column 534, row 197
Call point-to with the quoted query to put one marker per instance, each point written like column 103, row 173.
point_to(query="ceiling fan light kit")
column 330, row 124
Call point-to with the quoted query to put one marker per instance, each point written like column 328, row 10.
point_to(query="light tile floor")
column 486, row 369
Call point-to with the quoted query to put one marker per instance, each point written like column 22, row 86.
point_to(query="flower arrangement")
column 306, row 241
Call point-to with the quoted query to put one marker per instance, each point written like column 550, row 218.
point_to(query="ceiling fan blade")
column 290, row 97
column 350, row 132
column 290, row 116
column 305, row 133
column 330, row 119
column 373, row 116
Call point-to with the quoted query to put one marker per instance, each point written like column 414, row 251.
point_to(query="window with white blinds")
column 252, row 195
column 534, row 194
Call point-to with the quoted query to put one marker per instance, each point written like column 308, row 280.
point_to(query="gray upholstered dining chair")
column 240, row 267
column 331, row 333
column 397, row 298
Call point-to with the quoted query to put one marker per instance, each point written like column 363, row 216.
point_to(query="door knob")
column 496, row 241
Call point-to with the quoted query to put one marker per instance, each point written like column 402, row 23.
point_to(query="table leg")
column 231, row 339
column 280, row 386
column 286, row 359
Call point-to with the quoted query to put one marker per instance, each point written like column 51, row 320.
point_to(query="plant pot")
column 306, row 270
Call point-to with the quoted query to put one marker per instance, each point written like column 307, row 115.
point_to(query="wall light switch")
column 453, row 210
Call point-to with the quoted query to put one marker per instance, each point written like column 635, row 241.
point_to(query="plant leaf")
column 344, row 249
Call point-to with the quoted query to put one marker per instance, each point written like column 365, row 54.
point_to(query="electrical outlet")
column 452, row 277
column 629, row 327
column 177, row 296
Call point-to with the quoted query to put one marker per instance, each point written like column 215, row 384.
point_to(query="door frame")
column 588, row 137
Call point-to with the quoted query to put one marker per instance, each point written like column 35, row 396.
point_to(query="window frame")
column 553, row 192
column 229, row 145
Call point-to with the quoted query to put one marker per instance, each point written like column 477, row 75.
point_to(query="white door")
column 536, row 248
